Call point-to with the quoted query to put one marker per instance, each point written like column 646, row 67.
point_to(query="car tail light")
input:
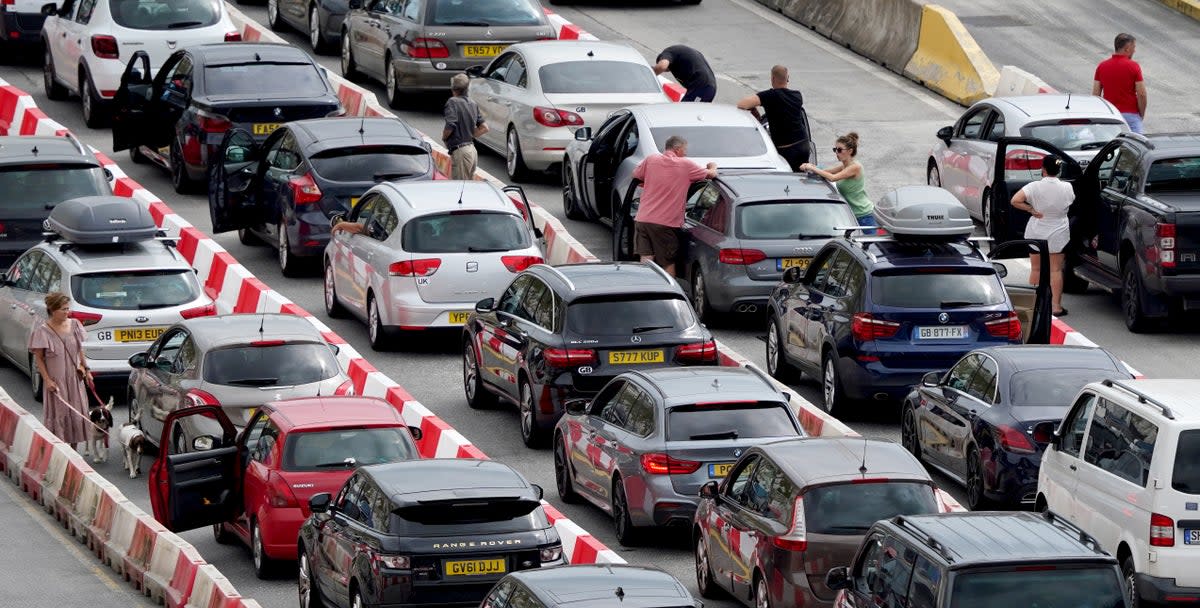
column 1007, row 327
column 279, row 494
column 233, row 36
column 345, row 388
column 661, row 464
column 865, row 327
column 552, row 117
column 741, row 257
column 304, row 190
column 105, row 46
column 552, row 553
column 392, row 562
column 569, row 357
column 85, row 318
column 1162, row 531
column 1023, row 160
column 197, row 397
column 697, row 352
column 517, row 263
column 213, row 123
column 1165, row 233
column 207, row 310
column 425, row 48
column 1014, row 440
column 795, row 539
column 415, row 268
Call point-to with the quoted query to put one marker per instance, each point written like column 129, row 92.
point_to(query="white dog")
column 132, row 439
column 97, row 440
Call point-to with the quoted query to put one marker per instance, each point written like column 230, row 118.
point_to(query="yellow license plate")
column 476, row 567
column 482, row 50
column 458, row 318
column 801, row 263
column 353, row 202
column 720, row 469
column 138, row 334
column 265, row 128
column 628, row 357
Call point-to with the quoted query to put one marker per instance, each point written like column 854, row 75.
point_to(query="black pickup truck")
column 1135, row 222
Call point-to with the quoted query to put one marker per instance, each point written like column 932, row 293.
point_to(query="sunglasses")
column 839, row 150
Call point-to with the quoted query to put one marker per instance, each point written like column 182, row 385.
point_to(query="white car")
column 536, row 94
column 88, row 43
column 1124, row 466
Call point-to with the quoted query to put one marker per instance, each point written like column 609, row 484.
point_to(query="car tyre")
column 627, row 534
column 264, row 566
column 908, row 431
column 704, row 577
column 777, row 364
column 976, row 499
column 562, row 473
column 95, row 109
column 622, row 247
column 985, row 208
column 700, row 301
column 349, row 70
column 221, row 535
column 54, row 90
column 289, row 264
column 248, row 238
column 831, row 386
column 35, row 380
column 514, row 162
column 333, row 307
column 274, row 21
column 1131, row 300
column 395, row 98
column 478, row 396
column 180, row 180
column 376, row 330
column 136, row 157
column 933, row 176
column 1130, row 574
column 316, row 38
column 762, row 595
column 531, row 432
column 306, row 583
column 570, row 202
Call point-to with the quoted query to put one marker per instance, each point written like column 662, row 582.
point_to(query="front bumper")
column 1164, row 590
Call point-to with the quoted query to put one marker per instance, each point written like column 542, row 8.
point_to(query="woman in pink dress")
column 57, row 347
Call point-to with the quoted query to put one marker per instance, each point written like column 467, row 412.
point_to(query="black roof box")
column 102, row 220
column 923, row 212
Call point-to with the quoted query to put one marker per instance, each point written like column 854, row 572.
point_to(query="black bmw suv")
column 559, row 332
column 439, row 531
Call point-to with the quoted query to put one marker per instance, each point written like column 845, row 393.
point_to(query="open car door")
column 200, row 487
column 233, row 183
column 131, row 105
column 1032, row 304
column 1019, row 162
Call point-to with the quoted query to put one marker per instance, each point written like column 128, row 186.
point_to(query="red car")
column 254, row 485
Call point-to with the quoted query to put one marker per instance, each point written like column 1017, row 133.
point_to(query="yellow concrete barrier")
column 949, row 61
column 1191, row 8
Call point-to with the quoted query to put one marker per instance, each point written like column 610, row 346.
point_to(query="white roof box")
column 102, row 220
column 923, row 212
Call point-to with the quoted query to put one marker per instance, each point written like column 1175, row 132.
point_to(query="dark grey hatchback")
column 590, row 586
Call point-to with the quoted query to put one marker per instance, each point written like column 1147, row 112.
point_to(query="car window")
column 866, row 571
column 606, row 396
column 642, row 417
column 472, row 232
column 645, row 315
column 930, row 287
column 714, row 141
column 759, row 491
column 739, row 480
column 629, row 139
column 366, row 208
column 972, row 125
column 1053, row 387
column 1124, row 170
column 820, row 270
column 270, row 364
column 366, row 504
column 24, row 270
column 498, row 597
column 926, row 580
column 522, row 598
column 179, row 79
column 412, row 10
column 499, row 67
column 835, row 282
column 791, row 219
column 186, row 360
column 735, row 420
column 346, row 447
column 1074, row 133
column 516, row 72
column 781, row 496
column 983, row 383
column 510, row 300
column 849, row 509
column 597, row 77
column 887, row 571
column 46, row 275
column 483, row 12
column 1009, row 587
column 1076, row 424
column 253, row 432
column 30, row 190
column 1186, row 476
column 616, row 411
column 1121, row 442
column 997, row 130
column 85, row 11
column 717, row 217
column 347, row 500
column 385, row 216
column 1174, row 174
column 363, row 163
column 282, row 154
column 541, row 311
column 261, row 450
column 135, row 290
column 165, row 14
column 265, row 80
column 611, row 126
column 703, row 200
column 169, row 348
column 960, row 375
column 530, row 300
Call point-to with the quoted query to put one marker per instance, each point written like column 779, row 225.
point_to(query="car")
column 535, row 94
column 125, row 293
column 439, row 531
column 416, row 46
column 285, row 190
column 791, row 509
column 1124, row 465
column 742, row 230
column 985, row 559
column 658, row 435
column 20, row 24
column 177, row 117
column 426, row 253
column 92, row 70
column 589, row 586
column 598, row 166
column 320, row 19
column 873, row 314
column 253, row 486
column 37, row 173
column 236, row 361
column 986, row 421
column 558, row 332
column 962, row 158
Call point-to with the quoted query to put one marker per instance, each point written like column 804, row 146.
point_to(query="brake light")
column 1008, row 326
column 569, row 357
column 1075, row 121
column 1165, row 233
column 279, row 494
column 304, row 190
column 662, row 464
column 796, row 538
column 207, row 310
column 213, row 123
column 741, row 257
column 862, row 480
column 197, row 397
column 415, row 268
column 865, row 327
column 233, row 36
column 1014, row 440
column 425, row 48
column 1023, row 160
column 85, row 318
column 697, row 352
column 105, row 46
column 552, row 117
column 1162, row 531
column 517, row 263
column 261, row 343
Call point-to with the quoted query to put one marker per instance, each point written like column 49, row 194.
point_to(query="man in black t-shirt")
column 691, row 69
column 785, row 113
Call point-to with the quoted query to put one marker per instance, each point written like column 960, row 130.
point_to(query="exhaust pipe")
column 881, row 396
column 746, row 308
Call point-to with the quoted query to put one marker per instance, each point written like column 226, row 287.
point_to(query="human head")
column 661, row 66
column 677, row 144
column 57, row 302
column 1125, row 44
column 1051, row 165
column 459, row 84
column 779, row 76
column 848, row 144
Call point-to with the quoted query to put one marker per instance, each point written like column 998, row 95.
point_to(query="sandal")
column 1061, row 313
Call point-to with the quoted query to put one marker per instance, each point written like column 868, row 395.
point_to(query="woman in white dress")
column 1047, row 200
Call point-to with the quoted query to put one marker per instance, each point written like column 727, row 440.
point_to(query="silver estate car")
column 963, row 157
column 641, row 449
column 427, row 252
column 536, row 94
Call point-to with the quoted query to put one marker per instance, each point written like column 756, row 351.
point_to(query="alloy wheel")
column 762, row 598
column 314, row 28
column 470, row 372
column 987, row 213
column 512, row 152
column 527, row 414
column 829, row 384
column 773, row 346
column 285, row 249
column 330, row 296
column 974, row 480
column 908, row 433
column 304, row 581
column 392, row 97
column 703, row 572
column 35, row 380
column 373, row 322
column 620, row 509
column 562, row 472
column 273, row 13
column 699, row 297
column 85, row 100
column 934, row 177
column 256, row 548
column 568, row 192
column 48, row 71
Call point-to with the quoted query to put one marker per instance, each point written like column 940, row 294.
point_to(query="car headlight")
column 552, row 553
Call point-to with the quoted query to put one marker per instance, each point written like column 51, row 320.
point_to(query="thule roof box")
column 923, row 213
column 101, row 220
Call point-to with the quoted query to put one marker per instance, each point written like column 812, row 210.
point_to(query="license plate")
column 482, row 50
column 785, row 263
column 353, row 202
column 1191, row 537
column 720, row 469
column 137, row 334
column 265, row 128
column 475, row 567
column 459, row 317
column 627, row 357
column 943, row 332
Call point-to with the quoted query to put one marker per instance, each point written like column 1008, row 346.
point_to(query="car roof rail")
column 924, row 537
column 1065, row 524
column 1138, row 137
column 1141, row 397
column 562, row 276
column 75, row 140
column 660, row 271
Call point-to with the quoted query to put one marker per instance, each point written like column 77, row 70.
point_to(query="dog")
column 97, row 440
column 132, row 439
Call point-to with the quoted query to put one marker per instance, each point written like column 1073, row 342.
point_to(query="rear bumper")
column 1164, row 590
column 727, row 292
column 1011, row 478
column 408, row 311
column 420, row 75
column 21, row 28
column 867, row 380
column 1181, row 286
column 653, row 501
column 280, row 530
column 545, row 146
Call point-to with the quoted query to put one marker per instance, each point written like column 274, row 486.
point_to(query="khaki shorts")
column 463, row 162
column 660, row 242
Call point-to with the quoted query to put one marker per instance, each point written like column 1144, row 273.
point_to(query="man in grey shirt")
column 463, row 124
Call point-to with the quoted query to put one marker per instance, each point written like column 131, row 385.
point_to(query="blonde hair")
column 56, row 300
column 850, row 141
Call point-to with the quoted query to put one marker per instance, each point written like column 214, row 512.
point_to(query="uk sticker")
column 422, row 280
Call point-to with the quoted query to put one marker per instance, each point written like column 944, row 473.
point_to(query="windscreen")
column 1048, row 586
column 140, row 290
column 365, row 163
column 165, row 14
column 792, row 220
column 1076, row 134
column 950, row 288
column 30, row 191
column 464, row 232
column 1174, row 175
column 1186, row 477
column 629, row 316
column 483, row 13
column 279, row 365
column 851, row 508
column 585, row 77
column 469, row 516
column 714, row 141
column 265, row 80
column 729, row 421
column 1053, row 386
column 346, row 448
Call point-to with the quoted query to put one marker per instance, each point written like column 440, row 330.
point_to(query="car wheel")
column 622, row 233
column 54, row 91
column 35, row 380
column 762, row 596
column 831, row 386
column 570, row 203
column 478, row 396
column 264, row 566
column 627, row 534
column 133, row 412
column 136, row 157
column 777, row 364
column 985, row 208
column 221, row 535
column 179, row 441
column 180, row 180
column 378, row 333
column 933, row 176
column 974, row 481
column 1131, row 588
column 333, row 307
column 288, row 264
column 95, row 113
column 248, row 238
column 700, row 303
column 356, row 599
column 394, row 98
column 319, row 44
column 704, row 576
column 562, row 472
column 273, row 20
column 908, row 432
column 531, row 432
column 306, row 583
column 349, row 70
column 514, row 163
column 1131, row 299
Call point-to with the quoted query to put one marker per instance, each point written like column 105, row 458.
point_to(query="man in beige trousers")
column 463, row 124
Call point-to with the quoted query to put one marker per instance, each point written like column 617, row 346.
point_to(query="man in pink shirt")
column 665, row 181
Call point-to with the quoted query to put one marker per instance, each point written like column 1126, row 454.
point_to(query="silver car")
column 598, row 166
column 426, row 253
column 536, row 94
column 962, row 159
column 641, row 449
column 238, row 362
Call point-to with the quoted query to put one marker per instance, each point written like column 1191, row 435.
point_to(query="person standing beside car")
column 464, row 123
column 57, row 347
column 1048, row 200
column 1119, row 80
column 690, row 69
column 849, row 178
column 665, row 180
column 784, row 109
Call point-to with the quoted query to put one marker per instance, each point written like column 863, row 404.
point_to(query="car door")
column 57, row 31
column 1116, row 191
column 161, row 396
column 351, row 274
column 938, row 425
column 46, row 278
column 372, row 37
column 498, row 358
column 598, row 164
column 612, row 439
column 194, row 489
column 233, row 200
column 281, row 160
column 881, row 575
column 1058, row 475
column 802, row 312
column 1114, row 493
column 519, row 331
column 956, row 158
column 586, row 438
column 141, row 117
column 507, row 107
column 966, row 411
column 1017, row 162
column 724, row 555
column 20, row 313
column 334, row 543
column 259, row 448
column 76, row 31
column 706, row 234
column 486, row 92
column 748, row 528
column 829, row 306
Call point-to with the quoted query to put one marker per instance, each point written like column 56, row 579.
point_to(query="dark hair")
column 1051, row 164
column 1121, row 40
column 850, row 141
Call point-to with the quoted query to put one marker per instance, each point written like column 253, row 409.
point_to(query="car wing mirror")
column 1001, row 269
column 945, row 134
column 793, row 275
column 336, row 219
column 50, row 9
column 538, row 490
column 354, row 4
column 416, row 432
column 485, row 305
column 203, row 443
column 930, row 379
column 108, row 175
column 475, row 71
column 583, row 134
column 709, row 490
column 838, row 578
column 320, row 503
column 576, row 407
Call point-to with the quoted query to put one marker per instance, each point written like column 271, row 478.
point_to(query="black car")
column 987, row 421
column 439, row 531
column 37, row 173
column 562, row 332
column 590, row 586
column 285, row 190
column 178, row 117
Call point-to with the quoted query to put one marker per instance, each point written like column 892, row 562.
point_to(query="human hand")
column 711, row 165
column 51, row 386
column 807, row 167
column 1037, row 214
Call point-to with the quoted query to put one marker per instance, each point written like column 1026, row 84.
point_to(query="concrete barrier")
column 1191, row 8
column 949, row 61
column 1014, row 82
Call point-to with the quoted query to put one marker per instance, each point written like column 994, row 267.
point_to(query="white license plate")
column 942, row 332
column 1191, row 537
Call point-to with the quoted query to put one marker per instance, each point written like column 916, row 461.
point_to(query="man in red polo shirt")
column 1119, row 80
column 665, row 181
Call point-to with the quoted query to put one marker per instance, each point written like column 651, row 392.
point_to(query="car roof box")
column 923, row 212
column 102, row 220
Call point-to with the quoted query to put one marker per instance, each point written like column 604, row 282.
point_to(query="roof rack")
column 661, row 272
column 924, row 537
column 75, row 140
column 1060, row 522
column 560, row 275
column 1141, row 397
column 1138, row 137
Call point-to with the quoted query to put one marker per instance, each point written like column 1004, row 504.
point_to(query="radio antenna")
column 862, row 469
column 1068, row 100
column 262, row 321
column 461, row 191
column 362, row 125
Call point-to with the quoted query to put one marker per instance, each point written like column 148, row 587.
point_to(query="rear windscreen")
column 714, row 141
column 279, row 365
column 1075, row 135
column 792, row 220
column 597, row 77
column 1186, row 477
column 346, row 448
column 265, row 80
column 483, row 13
column 1174, row 174
column 135, row 290
column 1053, row 386
column 629, row 316
column 370, row 163
column 468, row 516
column 31, row 191
column 1039, row 585
column 464, row 232
column 729, row 421
column 938, row 289
column 851, row 508
column 165, row 14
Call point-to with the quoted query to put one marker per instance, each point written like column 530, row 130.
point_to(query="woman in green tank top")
column 849, row 178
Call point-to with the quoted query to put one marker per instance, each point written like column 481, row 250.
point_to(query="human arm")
column 639, row 172
column 39, row 358
column 749, row 102
column 481, row 126
column 835, row 173
column 451, row 118
column 1140, row 89
column 1097, row 88
column 698, row 173
column 662, row 65
column 347, row 226
column 1020, row 201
